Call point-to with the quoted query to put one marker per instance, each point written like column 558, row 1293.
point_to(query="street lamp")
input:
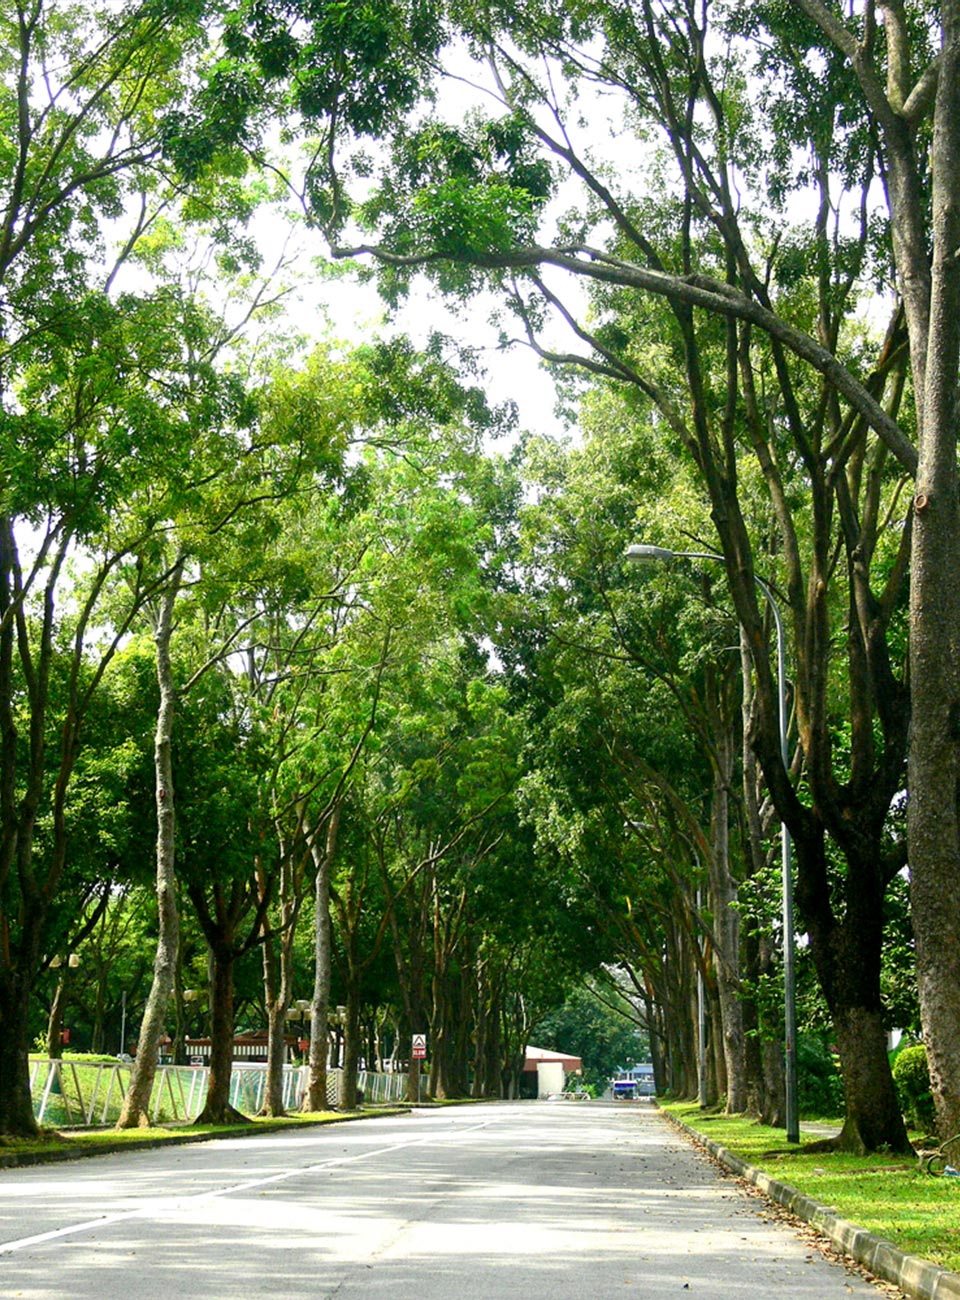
column 640, row 553
column 300, row 1014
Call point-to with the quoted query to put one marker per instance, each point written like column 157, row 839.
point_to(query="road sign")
column 419, row 1047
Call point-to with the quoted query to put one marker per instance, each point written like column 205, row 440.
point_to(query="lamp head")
column 641, row 553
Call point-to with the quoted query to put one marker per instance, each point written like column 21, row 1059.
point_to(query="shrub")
column 912, row 1078
column 819, row 1083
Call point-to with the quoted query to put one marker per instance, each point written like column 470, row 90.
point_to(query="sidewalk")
column 914, row 1276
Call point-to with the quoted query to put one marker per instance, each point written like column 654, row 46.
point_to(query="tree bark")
column 934, row 770
column 872, row 1109
column 847, row 957
column 217, row 1108
column 723, row 896
column 320, row 1005
column 55, row 1021
column 351, row 1042
column 134, row 1112
column 16, row 1101
column 276, row 1058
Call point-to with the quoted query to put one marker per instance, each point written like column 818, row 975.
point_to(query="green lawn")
column 887, row 1195
column 84, row 1088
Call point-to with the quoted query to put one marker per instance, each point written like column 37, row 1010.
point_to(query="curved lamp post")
column 639, row 553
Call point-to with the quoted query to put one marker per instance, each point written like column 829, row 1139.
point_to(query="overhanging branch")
column 694, row 290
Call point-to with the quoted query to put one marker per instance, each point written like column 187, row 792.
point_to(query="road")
column 555, row 1200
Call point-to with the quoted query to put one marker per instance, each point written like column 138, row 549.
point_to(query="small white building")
column 551, row 1069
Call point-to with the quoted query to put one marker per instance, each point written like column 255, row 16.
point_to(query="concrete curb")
column 913, row 1275
column 10, row 1160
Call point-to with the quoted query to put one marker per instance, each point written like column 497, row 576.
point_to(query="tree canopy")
column 404, row 690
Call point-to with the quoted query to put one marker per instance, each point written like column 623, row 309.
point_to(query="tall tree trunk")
column 657, row 1038
column 717, row 1057
column 276, row 1048
column 276, row 1007
column 726, row 929
column 437, row 1085
column 217, row 1108
column 487, row 1080
column 351, row 1040
column 134, row 1112
column 847, row 957
column 872, row 1109
column 930, row 291
column 681, row 960
column 765, row 1057
column 410, row 963
column 320, row 1005
column 97, row 1032
column 463, row 1031
column 934, row 769
column 17, row 820
column 55, row 1021
column 774, row 1110
column 278, row 978
column 16, row 1101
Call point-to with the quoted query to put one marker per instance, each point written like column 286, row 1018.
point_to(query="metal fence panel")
column 74, row 1094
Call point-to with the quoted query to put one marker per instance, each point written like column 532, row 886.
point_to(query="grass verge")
column 887, row 1195
column 56, row 1144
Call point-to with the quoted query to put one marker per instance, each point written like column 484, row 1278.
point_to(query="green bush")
column 819, row 1083
column 912, row 1078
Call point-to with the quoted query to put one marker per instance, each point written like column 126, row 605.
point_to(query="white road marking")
column 158, row 1204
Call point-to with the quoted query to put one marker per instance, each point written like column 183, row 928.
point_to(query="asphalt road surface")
column 548, row 1200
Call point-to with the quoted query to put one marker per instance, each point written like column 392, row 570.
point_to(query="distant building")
column 642, row 1076
column 545, row 1071
column 247, row 1048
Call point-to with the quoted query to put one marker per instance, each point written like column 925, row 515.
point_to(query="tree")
column 194, row 512
column 615, row 661
column 344, row 591
column 96, row 387
column 206, row 512
column 88, row 96
column 228, row 861
column 759, row 329
column 137, row 1098
column 906, row 61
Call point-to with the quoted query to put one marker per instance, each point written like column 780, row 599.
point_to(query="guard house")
column 545, row 1071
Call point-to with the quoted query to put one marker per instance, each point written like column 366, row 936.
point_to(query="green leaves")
column 467, row 194
column 353, row 67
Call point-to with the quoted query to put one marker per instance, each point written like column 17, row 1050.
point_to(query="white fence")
column 75, row 1094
